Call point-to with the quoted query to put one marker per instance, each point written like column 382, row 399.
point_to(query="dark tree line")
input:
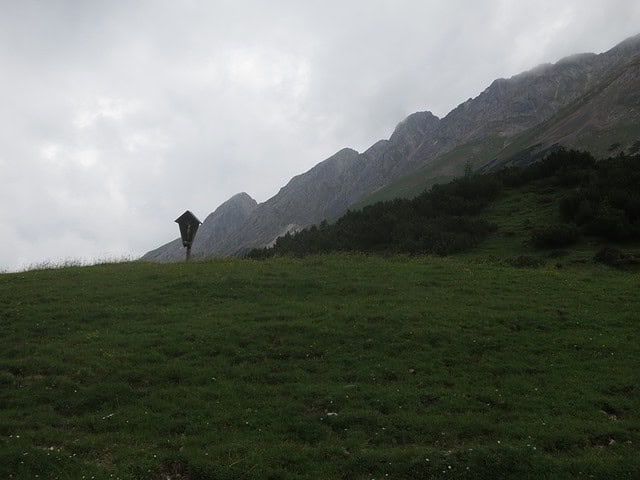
column 603, row 199
column 439, row 222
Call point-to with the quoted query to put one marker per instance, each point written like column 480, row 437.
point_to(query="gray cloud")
column 117, row 116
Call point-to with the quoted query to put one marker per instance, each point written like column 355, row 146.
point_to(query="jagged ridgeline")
column 601, row 200
column 587, row 102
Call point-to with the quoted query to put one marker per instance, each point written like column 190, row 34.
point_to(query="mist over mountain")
column 583, row 101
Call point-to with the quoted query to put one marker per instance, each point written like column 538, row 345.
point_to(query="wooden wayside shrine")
column 188, row 224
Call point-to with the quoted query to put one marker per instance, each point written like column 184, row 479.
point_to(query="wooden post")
column 188, row 252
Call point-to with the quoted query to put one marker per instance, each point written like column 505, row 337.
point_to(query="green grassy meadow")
column 336, row 366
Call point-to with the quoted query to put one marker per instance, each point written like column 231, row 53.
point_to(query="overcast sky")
column 116, row 116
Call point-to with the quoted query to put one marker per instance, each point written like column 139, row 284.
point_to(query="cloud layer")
column 117, row 116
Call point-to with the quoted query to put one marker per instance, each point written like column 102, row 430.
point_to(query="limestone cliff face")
column 604, row 118
column 509, row 107
column 306, row 199
column 576, row 101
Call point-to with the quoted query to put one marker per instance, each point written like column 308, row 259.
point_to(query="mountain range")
column 587, row 101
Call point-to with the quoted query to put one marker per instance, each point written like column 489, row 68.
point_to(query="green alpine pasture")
column 334, row 366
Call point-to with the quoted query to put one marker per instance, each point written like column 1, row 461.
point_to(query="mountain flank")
column 572, row 200
column 584, row 101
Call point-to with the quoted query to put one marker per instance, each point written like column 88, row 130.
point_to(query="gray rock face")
column 505, row 111
column 319, row 193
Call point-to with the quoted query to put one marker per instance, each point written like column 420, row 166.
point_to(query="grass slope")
column 516, row 214
column 325, row 367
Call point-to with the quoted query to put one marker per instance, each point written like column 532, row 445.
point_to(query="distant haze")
column 118, row 116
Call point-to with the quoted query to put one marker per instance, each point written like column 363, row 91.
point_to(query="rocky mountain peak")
column 415, row 125
column 239, row 204
column 628, row 47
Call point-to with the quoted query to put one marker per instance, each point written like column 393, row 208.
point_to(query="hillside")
column 582, row 101
column 327, row 367
column 580, row 199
